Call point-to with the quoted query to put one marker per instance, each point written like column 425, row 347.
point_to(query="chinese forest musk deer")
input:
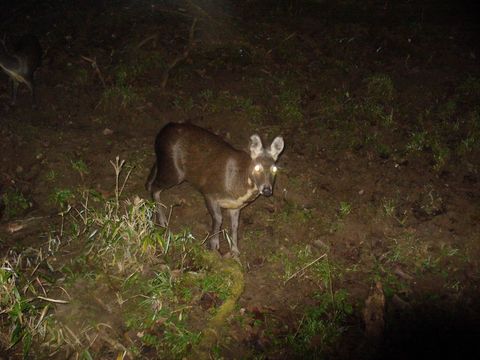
column 227, row 178
column 21, row 62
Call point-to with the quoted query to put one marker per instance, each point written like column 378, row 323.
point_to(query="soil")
column 327, row 50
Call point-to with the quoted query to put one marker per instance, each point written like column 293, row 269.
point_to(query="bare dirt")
column 405, row 213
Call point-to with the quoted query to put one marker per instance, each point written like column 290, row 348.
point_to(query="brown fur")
column 224, row 175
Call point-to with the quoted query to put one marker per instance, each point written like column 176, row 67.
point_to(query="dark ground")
column 378, row 103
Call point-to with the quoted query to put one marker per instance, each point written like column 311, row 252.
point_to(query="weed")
column 471, row 140
column 380, row 88
column 120, row 95
column 81, row 77
column 293, row 213
column 289, row 105
column 447, row 110
column 20, row 308
column 389, row 206
column 125, row 74
column 51, row 175
column 122, row 75
column 321, row 325
column 453, row 128
column 80, row 166
column 15, row 203
column 302, row 262
column 418, row 142
column 62, row 197
column 441, row 155
column 391, row 209
column 418, row 256
column 430, row 202
column 469, row 90
column 253, row 112
column 217, row 284
column 391, row 283
column 123, row 250
column 225, row 101
column 467, row 145
column 345, row 209
column 185, row 104
column 376, row 106
column 206, row 95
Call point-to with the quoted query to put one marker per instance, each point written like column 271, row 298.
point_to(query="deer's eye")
column 274, row 169
column 258, row 168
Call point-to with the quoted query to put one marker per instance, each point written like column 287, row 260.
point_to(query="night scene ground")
column 369, row 246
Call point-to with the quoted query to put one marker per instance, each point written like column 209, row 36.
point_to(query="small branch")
column 17, row 225
column 56, row 301
column 93, row 63
column 182, row 56
column 153, row 38
column 302, row 269
column 201, row 12
column 284, row 40
column 174, row 12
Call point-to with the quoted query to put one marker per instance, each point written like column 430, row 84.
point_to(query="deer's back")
column 199, row 157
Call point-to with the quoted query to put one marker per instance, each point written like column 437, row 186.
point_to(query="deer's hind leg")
column 216, row 214
column 158, row 180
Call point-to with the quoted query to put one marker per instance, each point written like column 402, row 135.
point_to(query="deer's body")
column 21, row 62
column 228, row 178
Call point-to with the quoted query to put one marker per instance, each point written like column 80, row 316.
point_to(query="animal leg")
column 234, row 217
column 160, row 215
column 216, row 214
column 151, row 177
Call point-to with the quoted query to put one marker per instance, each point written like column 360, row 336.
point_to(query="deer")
column 229, row 179
column 20, row 64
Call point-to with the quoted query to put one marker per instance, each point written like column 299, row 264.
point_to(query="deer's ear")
column 276, row 148
column 256, row 147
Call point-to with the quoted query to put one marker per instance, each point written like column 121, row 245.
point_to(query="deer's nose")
column 267, row 190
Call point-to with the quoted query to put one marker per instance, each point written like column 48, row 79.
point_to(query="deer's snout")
column 266, row 190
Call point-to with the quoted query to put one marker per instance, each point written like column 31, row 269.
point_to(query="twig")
column 202, row 12
column 330, row 288
column 18, row 225
column 281, row 42
column 117, row 166
column 65, row 291
column 93, row 63
column 298, row 327
column 42, row 315
column 153, row 38
column 168, row 11
column 125, row 180
column 302, row 269
column 56, row 301
column 72, row 334
column 116, row 345
column 180, row 57
column 40, row 283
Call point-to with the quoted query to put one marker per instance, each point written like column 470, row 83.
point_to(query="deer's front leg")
column 216, row 213
column 234, row 217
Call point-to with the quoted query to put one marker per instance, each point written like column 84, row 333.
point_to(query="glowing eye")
column 274, row 169
column 257, row 167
